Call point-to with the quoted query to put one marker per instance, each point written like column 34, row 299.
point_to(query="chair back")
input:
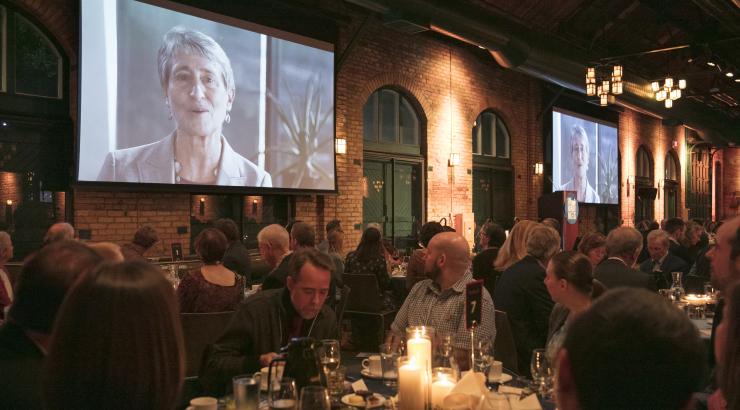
column 365, row 293
column 504, row 348
column 200, row 330
column 342, row 305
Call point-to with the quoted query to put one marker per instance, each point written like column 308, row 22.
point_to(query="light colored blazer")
column 591, row 195
column 155, row 163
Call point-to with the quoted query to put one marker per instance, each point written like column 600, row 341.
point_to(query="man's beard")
column 434, row 273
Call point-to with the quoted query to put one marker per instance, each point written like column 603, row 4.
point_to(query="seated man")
column 302, row 236
column 236, row 257
column 630, row 350
column 45, row 278
column 144, row 238
column 623, row 245
column 439, row 302
column 60, row 231
column 268, row 320
column 661, row 262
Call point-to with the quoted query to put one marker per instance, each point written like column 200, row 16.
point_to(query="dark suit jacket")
column 521, row 293
column 21, row 370
column 276, row 278
column 680, row 251
column 670, row 264
column 236, row 258
column 614, row 273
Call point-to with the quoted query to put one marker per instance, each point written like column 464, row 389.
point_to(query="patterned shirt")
column 426, row 305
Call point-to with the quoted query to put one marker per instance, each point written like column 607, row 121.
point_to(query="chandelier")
column 669, row 92
column 604, row 83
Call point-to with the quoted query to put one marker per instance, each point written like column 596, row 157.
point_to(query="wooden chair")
column 504, row 348
column 366, row 300
column 200, row 330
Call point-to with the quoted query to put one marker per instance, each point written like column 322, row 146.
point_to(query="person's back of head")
column 274, row 242
column 370, row 246
column 332, row 225
column 117, row 342
column 624, row 242
column 45, row 278
column 335, row 239
column 674, row 225
column 427, row 232
column 145, row 237
column 211, row 244
column 109, row 251
column 515, row 245
column 59, row 231
column 630, row 350
column 6, row 247
column 496, row 235
column 543, row 242
column 228, row 228
column 591, row 241
column 303, row 235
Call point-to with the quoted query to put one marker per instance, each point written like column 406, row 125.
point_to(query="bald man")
column 60, row 231
column 439, row 302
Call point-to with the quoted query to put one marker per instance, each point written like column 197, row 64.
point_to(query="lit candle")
column 441, row 387
column 696, row 300
column 411, row 384
column 420, row 348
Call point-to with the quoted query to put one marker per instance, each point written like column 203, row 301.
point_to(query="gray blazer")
column 155, row 163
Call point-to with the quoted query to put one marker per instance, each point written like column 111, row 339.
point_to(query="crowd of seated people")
column 68, row 339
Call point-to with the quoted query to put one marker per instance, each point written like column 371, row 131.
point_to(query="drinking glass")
column 335, row 381
column 284, row 397
column 482, row 357
column 541, row 370
column 246, row 392
column 330, row 355
column 314, row 398
column 388, row 362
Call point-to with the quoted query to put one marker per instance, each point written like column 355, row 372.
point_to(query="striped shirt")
column 426, row 305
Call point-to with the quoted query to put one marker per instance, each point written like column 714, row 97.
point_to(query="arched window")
column 38, row 65
column 671, row 167
column 490, row 136
column 493, row 193
column 393, row 166
column 670, row 185
column 644, row 168
column 389, row 120
column 645, row 192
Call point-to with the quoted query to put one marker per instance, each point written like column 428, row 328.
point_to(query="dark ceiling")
column 684, row 35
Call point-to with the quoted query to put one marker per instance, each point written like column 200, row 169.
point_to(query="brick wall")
column 10, row 186
column 730, row 183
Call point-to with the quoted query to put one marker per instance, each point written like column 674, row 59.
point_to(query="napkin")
column 517, row 403
column 474, row 385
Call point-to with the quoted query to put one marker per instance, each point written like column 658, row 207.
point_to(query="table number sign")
column 176, row 251
column 473, row 301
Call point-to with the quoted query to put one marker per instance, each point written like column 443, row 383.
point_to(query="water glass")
column 284, row 396
column 314, row 398
column 388, row 364
column 541, row 370
column 335, row 381
column 482, row 357
column 330, row 354
column 246, row 392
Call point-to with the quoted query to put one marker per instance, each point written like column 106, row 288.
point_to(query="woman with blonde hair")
column 515, row 245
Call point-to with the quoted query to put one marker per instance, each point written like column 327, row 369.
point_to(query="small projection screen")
column 585, row 157
column 176, row 97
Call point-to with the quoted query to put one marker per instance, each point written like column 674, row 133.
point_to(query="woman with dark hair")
column 593, row 245
column 117, row 342
column 212, row 287
column 727, row 353
column 368, row 259
column 415, row 270
column 570, row 283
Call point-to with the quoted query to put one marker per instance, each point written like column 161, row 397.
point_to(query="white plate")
column 345, row 400
column 366, row 373
column 503, row 379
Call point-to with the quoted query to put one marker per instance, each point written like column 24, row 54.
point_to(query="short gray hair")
column 192, row 42
column 274, row 234
column 543, row 242
column 658, row 235
column 624, row 240
column 5, row 241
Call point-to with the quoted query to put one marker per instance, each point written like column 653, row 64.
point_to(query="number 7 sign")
column 473, row 301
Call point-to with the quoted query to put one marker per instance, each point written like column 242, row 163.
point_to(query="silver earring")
column 228, row 117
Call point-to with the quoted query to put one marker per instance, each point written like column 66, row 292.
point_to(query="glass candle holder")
column 413, row 383
column 443, row 381
column 419, row 344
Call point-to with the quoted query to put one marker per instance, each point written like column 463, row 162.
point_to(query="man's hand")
column 266, row 358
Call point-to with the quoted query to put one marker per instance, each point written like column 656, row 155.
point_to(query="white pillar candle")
column 420, row 348
column 440, row 389
column 411, row 385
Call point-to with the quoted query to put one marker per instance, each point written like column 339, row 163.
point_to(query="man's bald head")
column 60, row 231
column 725, row 255
column 448, row 258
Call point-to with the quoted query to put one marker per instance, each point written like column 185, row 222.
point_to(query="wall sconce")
column 254, row 207
column 454, row 159
column 340, row 145
column 539, row 168
column 628, row 183
column 9, row 212
column 660, row 187
column 202, row 206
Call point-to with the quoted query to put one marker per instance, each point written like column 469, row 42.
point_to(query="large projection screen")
column 585, row 158
column 172, row 96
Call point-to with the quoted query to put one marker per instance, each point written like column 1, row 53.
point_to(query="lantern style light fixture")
column 605, row 84
column 668, row 92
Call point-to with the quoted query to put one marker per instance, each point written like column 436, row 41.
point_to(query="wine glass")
column 482, row 357
column 314, row 398
column 284, row 396
column 541, row 370
column 331, row 355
